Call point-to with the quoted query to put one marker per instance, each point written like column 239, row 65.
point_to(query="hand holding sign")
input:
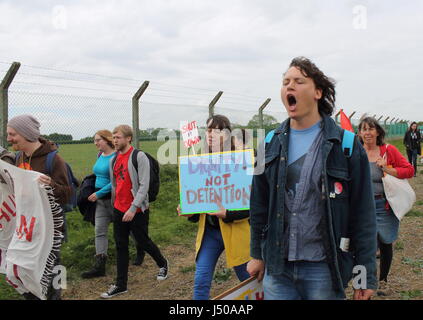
column 255, row 268
column 178, row 211
column 222, row 211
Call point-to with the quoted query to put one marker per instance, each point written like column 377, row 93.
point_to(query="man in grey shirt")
column 130, row 187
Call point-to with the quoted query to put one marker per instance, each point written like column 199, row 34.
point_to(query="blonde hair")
column 125, row 130
column 107, row 136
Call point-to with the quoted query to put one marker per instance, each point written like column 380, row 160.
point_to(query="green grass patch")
column 415, row 263
column 187, row 269
column 7, row 292
column 222, row 275
column 399, row 245
column 410, row 294
column 82, row 157
column 415, row 213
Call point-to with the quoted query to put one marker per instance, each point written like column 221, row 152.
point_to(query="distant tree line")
column 269, row 123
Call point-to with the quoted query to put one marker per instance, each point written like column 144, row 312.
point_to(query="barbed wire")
column 231, row 93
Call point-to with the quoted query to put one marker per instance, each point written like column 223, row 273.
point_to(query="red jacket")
column 396, row 160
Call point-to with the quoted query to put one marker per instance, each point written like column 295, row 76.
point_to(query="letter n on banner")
column 23, row 228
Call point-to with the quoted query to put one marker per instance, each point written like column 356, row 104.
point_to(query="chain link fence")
column 75, row 105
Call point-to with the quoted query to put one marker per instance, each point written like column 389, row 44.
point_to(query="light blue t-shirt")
column 300, row 141
column 102, row 180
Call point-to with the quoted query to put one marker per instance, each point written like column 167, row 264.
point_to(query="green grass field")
column 165, row 226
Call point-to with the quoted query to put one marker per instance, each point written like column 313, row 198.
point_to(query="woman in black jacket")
column 412, row 141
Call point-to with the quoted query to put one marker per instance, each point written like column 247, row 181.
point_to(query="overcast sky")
column 373, row 49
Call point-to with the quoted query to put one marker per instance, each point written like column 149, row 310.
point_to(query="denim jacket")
column 349, row 220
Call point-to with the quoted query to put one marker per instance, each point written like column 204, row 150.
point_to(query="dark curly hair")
column 326, row 103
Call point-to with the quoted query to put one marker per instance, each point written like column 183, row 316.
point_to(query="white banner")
column 250, row 289
column 30, row 230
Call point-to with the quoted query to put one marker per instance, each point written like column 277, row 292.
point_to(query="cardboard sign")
column 190, row 134
column 225, row 177
column 250, row 289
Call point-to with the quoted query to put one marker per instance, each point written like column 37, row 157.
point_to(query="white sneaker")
column 114, row 290
column 163, row 272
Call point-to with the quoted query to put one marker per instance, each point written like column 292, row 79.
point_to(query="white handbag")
column 399, row 193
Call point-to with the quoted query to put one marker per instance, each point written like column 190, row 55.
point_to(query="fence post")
column 336, row 116
column 213, row 102
column 385, row 126
column 264, row 105
column 136, row 113
column 4, row 100
column 391, row 128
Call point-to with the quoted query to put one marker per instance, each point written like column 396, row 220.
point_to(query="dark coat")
column 87, row 208
column 351, row 214
column 411, row 144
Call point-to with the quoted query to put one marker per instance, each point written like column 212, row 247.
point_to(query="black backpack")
column 154, row 186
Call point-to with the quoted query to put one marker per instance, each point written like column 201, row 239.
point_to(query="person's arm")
column 405, row 140
column 259, row 202
column 104, row 191
column 59, row 180
column 232, row 216
column 398, row 162
column 362, row 220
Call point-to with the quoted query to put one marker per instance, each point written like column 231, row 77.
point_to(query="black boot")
column 99, row 269
column 139, row 259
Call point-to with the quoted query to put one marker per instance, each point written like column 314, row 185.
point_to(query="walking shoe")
column 99, row 269
column 114, row 290
column 384, row 289
column 163, row 272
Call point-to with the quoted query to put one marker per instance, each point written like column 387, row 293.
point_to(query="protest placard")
column 223, row 176
column 249, row 289
column 189, row 131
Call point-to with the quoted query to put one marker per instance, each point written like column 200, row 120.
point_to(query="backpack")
column 73, row 181
column 154, row 185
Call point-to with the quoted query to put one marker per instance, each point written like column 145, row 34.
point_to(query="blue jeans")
column 212, row 247
column 386, row 222
column 301, row 280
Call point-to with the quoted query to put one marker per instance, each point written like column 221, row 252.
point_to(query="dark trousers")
column 139, row 227
column 386, row 254
column 412, row 158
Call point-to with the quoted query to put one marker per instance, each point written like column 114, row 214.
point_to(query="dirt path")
column 142, row 282
column 406, row 276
